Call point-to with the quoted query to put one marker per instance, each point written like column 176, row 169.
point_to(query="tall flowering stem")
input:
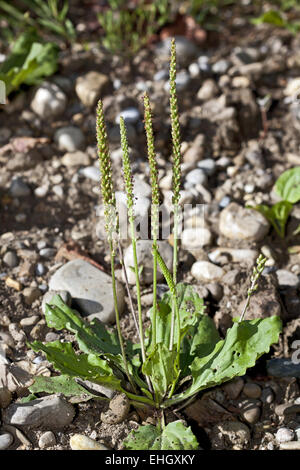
column 175, row 128
column 110, row 215
column 155, row 203
column 128, row 180
column 257, row 272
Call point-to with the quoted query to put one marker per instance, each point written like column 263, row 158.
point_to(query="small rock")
column 267, row 395
column 19, row 189
column 193, row 238
column 186, row 50
column 82, row 442
column 90, row 87
column 141, row 188
column 48, row 253
column 48, row 101
column 294, row 445
column 195, row 177
column 287, row 409
column 51, row 411
column 231, row 277
column 118, row 410
column 221, row 66
column 250, row 411
column 90, row 289
column 284, row 435
column 206, row 272
column 130, row 115
column 69, row 139
column 233, row 388
column 287, row 279
column 78, row 158
column 238, row 223
column 252, row 390
column 31, row 294
column 144, row 255
column 48, row 296
column 215, row 290
column 5, row 397
column 91, row 172
column 230, row 435
column 10, row 259
column 208, row 165
column 29, row 321
column 47, row 439
column 208, row 90
column 6, row 440
column 281, row 367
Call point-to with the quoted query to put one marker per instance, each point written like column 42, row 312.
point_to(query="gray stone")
column 221, row 66
column 118, row 410
column 287, row 409
column 10, row 259
column 251, row 411
column 293, row 445
column 144, row 255
column 31, row 294
column 161, row 75
column 6, row 440
column 78, row 158
column 193, row 238
column 48, row 296
column 234, row 387
column 287, row 279
column 69, row 139
column 82, row 442
column 284, row 435
column 238, row 223
column 90, row 289
column 281, row 367
column 206, row 272
column 208, row 90
column 47, row 439
column 48, row 101
column 91, row 172
column 130, row 115
column 208, row 165
column 18, row 188
column 90, row 87
column 50, row 412
column 47, row 253
column 195, row 177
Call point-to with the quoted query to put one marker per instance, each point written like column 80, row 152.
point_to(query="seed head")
column 175, row 127
column 128, row 178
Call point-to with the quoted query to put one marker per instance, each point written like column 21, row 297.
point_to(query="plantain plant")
column 181, row 353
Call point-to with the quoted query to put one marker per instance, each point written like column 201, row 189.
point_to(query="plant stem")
column 175, row 255
column 112, row 262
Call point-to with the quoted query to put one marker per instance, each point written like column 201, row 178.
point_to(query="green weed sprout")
column 175, row 360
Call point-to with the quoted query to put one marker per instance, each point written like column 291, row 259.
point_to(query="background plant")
column 180, row 354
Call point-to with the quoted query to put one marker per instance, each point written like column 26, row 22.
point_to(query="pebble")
column 267, row 395
column 31, row 294
column 50, row 411
column 141, row 188
column 208, row 90
column 194, row 69
column 235, row 255
column 161, row 75
column 233, row 388
column 41, row 191
column 145, row 259
column 130, row 115
column 90, row 87
column 182, row 81
column 29, row 321
column 13, row 283
column 221, row 66
column 238, row 223
column 82, row 442
column 284, row 435
column 215, row 290
column 208, row 165
column 48, row 101
column 293, row 445
column 195, row 177
column 281, row 367
column 230, row 435
column 206, row 272
column 47, row 253
column 48, row 296
column 40, row 269
column 79, row 158
column 252, row 390
column 6, row 441
column 90, row 289
column 91, row 172
column 193, row 238
column 47, row 439
column 250, row 411
column 69, row 139
column 58, row 191
column 287, row 409
column 287, row 279
column 225, row 201
column 18, row 188
column 10, row 259
column 119, row 407
column 5, row 397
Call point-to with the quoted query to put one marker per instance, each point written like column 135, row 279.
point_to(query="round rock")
column 6, row 441
column 69, row 139
column 206, row 272
column 48, row 101
column 238, row 223
column 82, row 442
column 10, row 259
column 47, row 439
column 284, row 435
column 252, row 390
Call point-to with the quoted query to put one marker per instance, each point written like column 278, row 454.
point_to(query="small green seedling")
column 181, row 353
column 287, row 187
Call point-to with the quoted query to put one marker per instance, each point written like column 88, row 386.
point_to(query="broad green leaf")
column 244, row 343
column 91, row 337
column 288, row 185
column 175, row 436
column 85, row 366
column 161, row 367
column 59, row 384
column 29, row 398
column 271, row 17
column 277, row 215
column 190, row 306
